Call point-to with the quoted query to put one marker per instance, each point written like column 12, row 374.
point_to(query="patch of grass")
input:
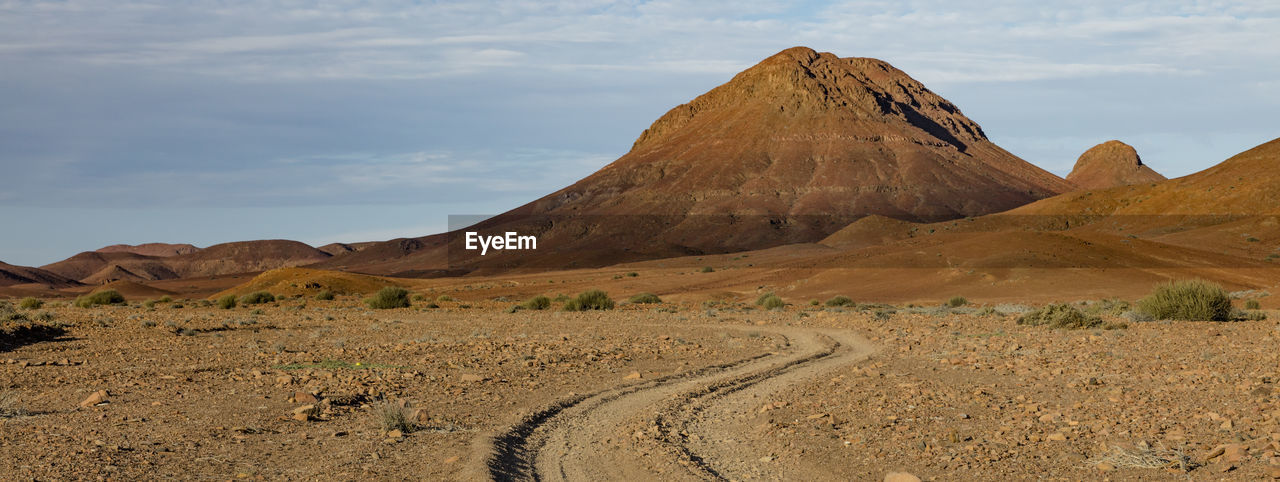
column 840, row 300
column 444, row 298
column 104, row 297
column 633, row 274
column 165, row 299
column 1252, row 305
column 760, row 299
column 388, row 298
column 1187, row 300
column 325, row 295
column 227, row 302
column 30, row 303
column 771, row 302
column 957, row 301
column 590, row 300
column 815, row 303
column 986, row 311
column 708, row 269
column 393, row 416
column 645, row 298
column 536, row 303
column 257, row 298
column 1114, row 307
column 1064, row 316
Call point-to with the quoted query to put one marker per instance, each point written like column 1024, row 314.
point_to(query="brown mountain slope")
column 245, row 256
column 84, row 265
column 1247, row 184
column 11, row 275
column 151, row 249
column 1111, row 164
column 788, row 151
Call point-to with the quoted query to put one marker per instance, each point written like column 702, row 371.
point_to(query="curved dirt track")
column 682, row 417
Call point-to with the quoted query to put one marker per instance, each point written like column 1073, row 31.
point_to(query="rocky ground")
column 299, row 389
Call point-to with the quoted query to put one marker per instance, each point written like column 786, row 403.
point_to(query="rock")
column 633, row 376
column 900, row 477
column 470, row 378
column 95, row 398
column 1057, row 437
column 1105, row 466
column 301, row 417
column 1273, row 472
column 451, row 460
column 395, row 433
column 767, row 458
column 304, row 397
column 1234, row 453
column 284, row 379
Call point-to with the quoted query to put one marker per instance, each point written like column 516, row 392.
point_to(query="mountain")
column 151, row 249
column 11, row 275
column 790, row 150
column 97, row 267
column 1111, row 164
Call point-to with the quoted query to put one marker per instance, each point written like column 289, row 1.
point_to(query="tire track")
column 567, row 440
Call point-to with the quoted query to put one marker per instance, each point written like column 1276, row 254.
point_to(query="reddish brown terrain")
column 842, row 176
column 788, row 151
column 1111, row 164
column 151, row 249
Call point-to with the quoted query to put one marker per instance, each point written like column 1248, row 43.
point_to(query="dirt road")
column 683, row 426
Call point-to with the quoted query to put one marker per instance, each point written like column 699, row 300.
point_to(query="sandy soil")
column 662, row 391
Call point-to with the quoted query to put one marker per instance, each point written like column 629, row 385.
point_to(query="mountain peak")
column 800, row 83
column 1111, row 164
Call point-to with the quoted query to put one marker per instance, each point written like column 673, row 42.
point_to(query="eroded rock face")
column 1111, row 164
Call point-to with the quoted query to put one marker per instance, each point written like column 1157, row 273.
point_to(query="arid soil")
column 671, row 391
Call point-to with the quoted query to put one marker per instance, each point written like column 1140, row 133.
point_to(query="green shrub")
column 419, row 297
column 227, row 302
column 1063, row 316
column 633, row 274
column 590, row 300
column 325, row 295
column 388, row 298
column 165, row 299
column 986, row 311
column 840, row 300
column 257, row 298
column 561, row 298
column 1187, row 300
column 760, row 299
column 957, row 301
column 30, row 303
column 1248, row 305
column 708, row 269
column 444, row 298
column 537, row 303
column 771, row 302
column 1238, row 315
column 815, row 303
column 149, row 303
column 104, row 297
column 645, row 298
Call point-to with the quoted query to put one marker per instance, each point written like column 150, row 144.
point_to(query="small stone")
column 767, row 458
column 304, row 397
column 1057, row 437
column 900, row 477
column 1106, row 466
column 95, row 398
column 470, row 378
column 284, row 379
column 1234, row 453
column 633, row 376
column 451, row 460
column 1273, row 472
column 301, row 417
column 395, row 433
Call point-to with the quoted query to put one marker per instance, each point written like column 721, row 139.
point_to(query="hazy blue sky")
column 204, row 122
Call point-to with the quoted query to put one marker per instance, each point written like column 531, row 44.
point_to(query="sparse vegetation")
column 1187, row 300
column 1252, row 305
column 393, row 416
column 257, row 298
column 326, row 295
column 957, row 301
column 708, row 269
column 633, row 274
column 590, row 300
column 444, row 298
column 1064, row 316
column 771, row 302
column 165, row 299
column 537, row 303
column 645, row 298
column 30, row 303
column 840, row 300
column 388, row 298
column 227, row 302
column 104, row 297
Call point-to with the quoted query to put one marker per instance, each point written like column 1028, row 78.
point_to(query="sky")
column 213, row 121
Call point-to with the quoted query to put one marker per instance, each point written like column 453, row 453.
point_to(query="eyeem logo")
column 511, row 240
